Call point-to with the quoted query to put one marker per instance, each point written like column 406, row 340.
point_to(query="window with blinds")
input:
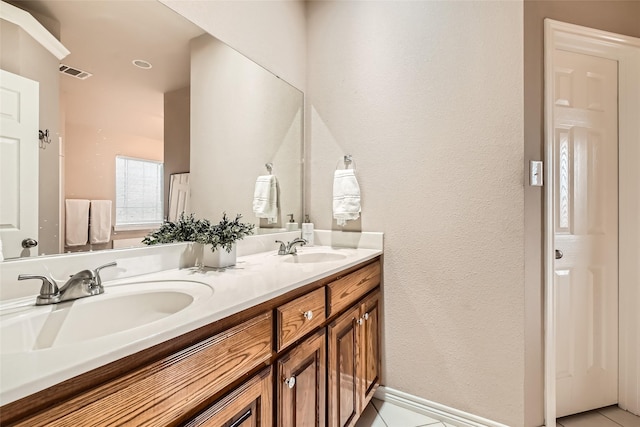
column 138, row 193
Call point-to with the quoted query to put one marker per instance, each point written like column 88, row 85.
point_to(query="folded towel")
column 265, row 198
column 77, row 222
column 100, row 230
column 346, row 196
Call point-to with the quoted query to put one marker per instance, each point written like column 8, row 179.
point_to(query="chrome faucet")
column 290, row 248
column 82, row 284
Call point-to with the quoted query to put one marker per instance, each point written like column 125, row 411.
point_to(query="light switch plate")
column 535, row 173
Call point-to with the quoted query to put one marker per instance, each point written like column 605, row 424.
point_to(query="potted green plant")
column 215, row 237
column 224, row 235
column 186, row 229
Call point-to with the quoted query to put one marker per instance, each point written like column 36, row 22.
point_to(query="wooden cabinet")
column 248, row 405
column 161, row 393
column 320, row 344
column 353, row 352
column 354, row 361
column 299, row 317
column 343, row 394
column 369, row 345
column 346, row 290
column 300, row 384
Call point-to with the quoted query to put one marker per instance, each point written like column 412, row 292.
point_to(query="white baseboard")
column 433, row 409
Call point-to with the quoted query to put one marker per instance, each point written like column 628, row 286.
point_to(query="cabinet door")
column 343, row 366
column 369, row 346
column 300, row 384
column 249, row 405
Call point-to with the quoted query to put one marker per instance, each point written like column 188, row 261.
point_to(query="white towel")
column 100, row 229
column 265, row 198
column 346, row 196
column 77, row 222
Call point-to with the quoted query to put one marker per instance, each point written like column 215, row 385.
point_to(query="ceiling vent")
column 74, row 72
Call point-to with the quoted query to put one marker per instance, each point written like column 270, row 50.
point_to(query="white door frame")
column 625, row 50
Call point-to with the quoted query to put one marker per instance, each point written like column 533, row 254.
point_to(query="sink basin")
column 314, row 257
column 120, row 308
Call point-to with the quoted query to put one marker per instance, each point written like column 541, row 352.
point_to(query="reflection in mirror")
column 155, row 87
column 246, row 119
column 179, row 195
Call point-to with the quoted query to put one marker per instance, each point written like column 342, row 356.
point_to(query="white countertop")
column 219, row 293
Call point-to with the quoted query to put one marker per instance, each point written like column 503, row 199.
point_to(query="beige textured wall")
column 621, row 17
column 242, row 117
column 96, row 179
column 22, row 55
column 428, row 98
column 272, row 33
column 177, row 136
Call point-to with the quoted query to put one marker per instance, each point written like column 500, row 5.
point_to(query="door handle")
column 29, row 243
column 559, row 254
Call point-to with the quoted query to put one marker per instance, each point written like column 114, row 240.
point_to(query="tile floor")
column 385, row 414
column 611, row 416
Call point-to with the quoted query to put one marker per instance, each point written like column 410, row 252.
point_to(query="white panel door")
column 18, row 163
column 179, row 195
column 585, row 115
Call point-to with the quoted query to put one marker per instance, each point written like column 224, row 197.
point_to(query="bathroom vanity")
column 300, row 346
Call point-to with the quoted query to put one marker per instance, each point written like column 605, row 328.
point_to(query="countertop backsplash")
column 137, row 261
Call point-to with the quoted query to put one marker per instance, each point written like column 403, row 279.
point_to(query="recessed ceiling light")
column 141, row 63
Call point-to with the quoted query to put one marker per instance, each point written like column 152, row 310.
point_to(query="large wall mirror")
column 146, row 87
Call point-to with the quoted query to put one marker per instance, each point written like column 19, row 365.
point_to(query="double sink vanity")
column 275, row 340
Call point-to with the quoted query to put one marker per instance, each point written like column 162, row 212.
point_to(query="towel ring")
column 269, row 167
column 348, row 160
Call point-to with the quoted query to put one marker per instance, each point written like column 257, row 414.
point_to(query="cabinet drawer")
column 300, row 316
column 249, row 404
column 162, row 392
column 348, row 289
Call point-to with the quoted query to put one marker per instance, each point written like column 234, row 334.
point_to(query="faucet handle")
column 292, row 248
column 97, row 272
column 49, row 290
column 283, row 248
